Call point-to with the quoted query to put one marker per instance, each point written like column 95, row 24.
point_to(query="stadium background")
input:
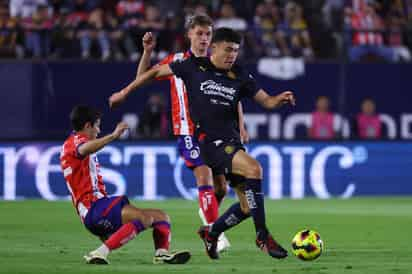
column 46, row 68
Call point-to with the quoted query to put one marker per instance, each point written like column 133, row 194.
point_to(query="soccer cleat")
column 210, row 242
column 175, row 257
column 95, row 257
column 223, row 243
column 270, row 246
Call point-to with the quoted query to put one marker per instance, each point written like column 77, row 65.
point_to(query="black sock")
column 233, row 216
column 256, row 202
column 219, row 197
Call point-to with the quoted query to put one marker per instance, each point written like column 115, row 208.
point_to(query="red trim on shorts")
column 112, row 204
column 202, row 136
column 189, row 164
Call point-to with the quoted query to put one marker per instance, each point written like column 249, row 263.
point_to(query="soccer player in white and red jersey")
column 113, row 219
column 211, row 192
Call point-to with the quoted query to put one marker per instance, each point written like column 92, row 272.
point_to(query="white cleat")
column 175, row 257
column 95, row 257
column 223, row 243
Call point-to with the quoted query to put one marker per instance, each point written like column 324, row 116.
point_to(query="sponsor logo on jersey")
column 210, row 87
column 218, row 142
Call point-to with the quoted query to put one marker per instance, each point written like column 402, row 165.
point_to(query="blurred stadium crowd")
column 359, row 30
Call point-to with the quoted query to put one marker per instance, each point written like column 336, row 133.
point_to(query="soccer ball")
column 307, row 245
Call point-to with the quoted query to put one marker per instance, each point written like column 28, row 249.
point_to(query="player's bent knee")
column 131, row 213
column 254, row 171
column 147, row 220
column 157, row 215
column 164, row 216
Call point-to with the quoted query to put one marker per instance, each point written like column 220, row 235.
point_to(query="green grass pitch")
column 362, row 235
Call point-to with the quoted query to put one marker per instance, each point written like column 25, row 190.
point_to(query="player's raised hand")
column 120, row 128
column 149, row 41
column 287, row 97
column 116, row 99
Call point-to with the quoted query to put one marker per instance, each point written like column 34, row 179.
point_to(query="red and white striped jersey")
column 82, row 174
column 182, row 123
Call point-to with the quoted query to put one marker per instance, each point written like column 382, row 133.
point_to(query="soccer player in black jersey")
column 215, row 85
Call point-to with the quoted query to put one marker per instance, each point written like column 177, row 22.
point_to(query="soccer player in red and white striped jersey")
column 113, row 219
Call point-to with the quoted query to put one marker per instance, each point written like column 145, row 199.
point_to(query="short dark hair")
column 199, row 20
column 81, row 114
column 226, row 35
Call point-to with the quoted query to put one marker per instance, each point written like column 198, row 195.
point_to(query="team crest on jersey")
column 231, row 75
column 229, row 149
column 194, row 154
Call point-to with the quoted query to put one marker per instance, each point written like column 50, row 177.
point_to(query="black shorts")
column 218, row 154
column 234, row 179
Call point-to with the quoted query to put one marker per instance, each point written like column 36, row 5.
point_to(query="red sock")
column 161, row 235
column 208, row 203
column 125, row 233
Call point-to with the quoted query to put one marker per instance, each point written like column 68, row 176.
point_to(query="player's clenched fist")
column 287, row 97
column 120, row 128
column 149, row 41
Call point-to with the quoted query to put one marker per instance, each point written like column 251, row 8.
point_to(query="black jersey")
column 214, row 95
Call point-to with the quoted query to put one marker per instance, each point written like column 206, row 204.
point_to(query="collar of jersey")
column 211, row 67
column 79, row 134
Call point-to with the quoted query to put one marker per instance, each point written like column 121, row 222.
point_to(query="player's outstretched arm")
column 149, row 42
column 270, row 102
column 156, row 72
column 97, row 144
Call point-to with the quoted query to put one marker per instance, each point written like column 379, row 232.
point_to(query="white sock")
column 161, row 251
column 104, row 250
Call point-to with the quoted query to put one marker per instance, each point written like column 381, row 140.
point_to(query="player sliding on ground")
column 113, row 219
column 215, row 85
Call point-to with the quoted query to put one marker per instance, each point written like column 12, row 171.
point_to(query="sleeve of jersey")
column 250, row 86
column 167, row 60
column 181, row 68
column 81, row 141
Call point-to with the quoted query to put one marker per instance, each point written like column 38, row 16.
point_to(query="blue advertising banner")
column 154, row 170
